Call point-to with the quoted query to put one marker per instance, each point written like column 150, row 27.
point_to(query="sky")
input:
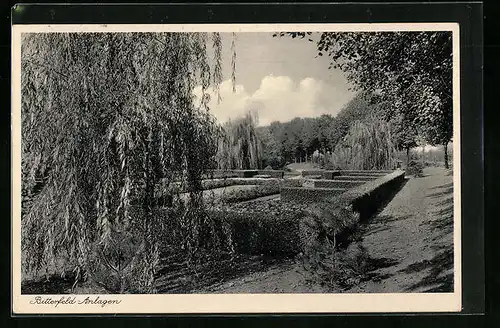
column 279, row 78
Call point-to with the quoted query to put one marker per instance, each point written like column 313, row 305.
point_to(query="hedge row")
column 208, row 184
column 276, row 227
column 262, row 233
column 269, row 228
column 248, row 194
column 367, row 197
column 337, row 183
column 306, row 173
column 219, row 174
column 330, row 175
column 357, row 177
column 365, row 172
column 251, row 173
column 308, row 195
column 273, row 173
column 292, row 182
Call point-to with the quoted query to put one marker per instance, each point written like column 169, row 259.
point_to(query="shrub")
column 248, row 194
column 307, row 173
column 275, row 162
column 337, row 183
column 415, row 169
column 219, row 174
column 319, row 229
column 308, row 195
column 268, row 228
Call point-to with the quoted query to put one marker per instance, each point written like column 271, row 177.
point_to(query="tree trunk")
column 446, row 164
column 407, row 155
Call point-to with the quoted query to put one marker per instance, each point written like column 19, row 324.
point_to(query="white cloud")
column 278, row 98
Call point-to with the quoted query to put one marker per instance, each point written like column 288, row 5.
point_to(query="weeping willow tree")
column 239, row 145
column 106, row 117
column 367, row 146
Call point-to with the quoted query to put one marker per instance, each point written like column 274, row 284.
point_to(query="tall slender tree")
column 240, row 146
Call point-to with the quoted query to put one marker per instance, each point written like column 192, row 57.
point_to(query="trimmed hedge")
column 255, row 233
column 248, row 194
column 335, row 217
column 321, row 173
column 365, row 172
column 308, row 195
column 366, row 198
column 273, row 173
column 307, row 173
column 219, row 174
column 337, row 183
column 277, row 227
column 270, row 228
column 330, row 175
column 356, row 177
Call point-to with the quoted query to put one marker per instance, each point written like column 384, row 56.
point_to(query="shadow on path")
column 439, row 277
column 437, row 280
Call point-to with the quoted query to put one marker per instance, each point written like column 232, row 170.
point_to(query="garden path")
column 411, row 239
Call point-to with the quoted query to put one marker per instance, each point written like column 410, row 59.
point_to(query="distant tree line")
column 301, row 139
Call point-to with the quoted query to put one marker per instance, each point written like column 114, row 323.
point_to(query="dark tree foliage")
column 413, row 69
column 298, row 139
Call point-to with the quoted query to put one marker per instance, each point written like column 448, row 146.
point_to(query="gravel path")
column 411, row 239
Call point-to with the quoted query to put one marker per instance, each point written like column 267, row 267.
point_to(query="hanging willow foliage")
column 239, row 145
column 106, row 118
column 367, row 146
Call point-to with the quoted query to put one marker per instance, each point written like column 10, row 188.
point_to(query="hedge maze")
column 272, row 227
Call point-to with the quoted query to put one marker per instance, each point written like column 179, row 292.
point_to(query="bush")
column 308, row 195
column 275, row 162
column 415, row 169
column 268, row 228
column 248, row 194
column 337, row 183
column 368, row 197
column 219, row 174
column 307, row 173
